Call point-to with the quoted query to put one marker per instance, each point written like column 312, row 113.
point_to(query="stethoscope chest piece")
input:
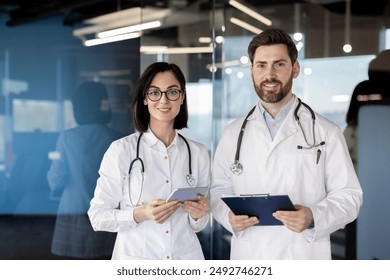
column 236, row 168
column 190, row 179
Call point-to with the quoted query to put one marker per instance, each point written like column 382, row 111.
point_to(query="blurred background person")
column 374, row 91
column 74, row 172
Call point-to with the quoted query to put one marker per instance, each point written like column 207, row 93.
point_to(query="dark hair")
column 362, row 88
column 141, row 114
column 360, row 97
column 273, row 36
column 90, row 104
column 379, row 69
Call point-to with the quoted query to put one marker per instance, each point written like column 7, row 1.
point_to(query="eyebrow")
column 169, row 87
column 276, row 61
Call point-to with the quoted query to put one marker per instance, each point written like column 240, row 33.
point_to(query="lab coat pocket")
column 306, row 167
column 319, row 250
column 242, row 248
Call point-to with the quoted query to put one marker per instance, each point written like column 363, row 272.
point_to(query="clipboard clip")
column 255, row 195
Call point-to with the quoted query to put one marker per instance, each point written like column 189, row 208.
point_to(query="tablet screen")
column 184, row 194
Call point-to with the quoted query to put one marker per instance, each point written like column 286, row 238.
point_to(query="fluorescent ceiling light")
column 129, row 29
column 250, row 12
column 204, row 40
column 245, row 25
column 166, row 50
column 99, row 41
column 340, row 98
column 120, row 19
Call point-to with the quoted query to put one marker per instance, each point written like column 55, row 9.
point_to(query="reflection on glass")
column 74, row 171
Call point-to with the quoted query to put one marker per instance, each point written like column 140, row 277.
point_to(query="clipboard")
column 261, row 206
column 184, row 194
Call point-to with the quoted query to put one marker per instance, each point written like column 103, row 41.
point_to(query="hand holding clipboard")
column 260, row 206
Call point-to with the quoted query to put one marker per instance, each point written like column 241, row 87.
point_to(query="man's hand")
column 241, row 222
column 296, row 221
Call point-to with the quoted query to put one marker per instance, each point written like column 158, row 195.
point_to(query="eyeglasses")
column 171, row 94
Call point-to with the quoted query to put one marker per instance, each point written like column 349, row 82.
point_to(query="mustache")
column 272, row 80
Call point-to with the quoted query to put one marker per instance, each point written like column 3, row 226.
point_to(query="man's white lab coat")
column 330, row 188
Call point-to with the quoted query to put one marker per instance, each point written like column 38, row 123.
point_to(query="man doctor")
column 306, row 159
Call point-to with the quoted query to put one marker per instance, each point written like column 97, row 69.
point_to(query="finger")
column 165, row 216
column 244, row 225
column 242, row 222
column 165, row 211
column 196, row 206
column 157, row 202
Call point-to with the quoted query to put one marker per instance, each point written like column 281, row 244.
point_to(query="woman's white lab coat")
column 330, row 188
column 165, row 170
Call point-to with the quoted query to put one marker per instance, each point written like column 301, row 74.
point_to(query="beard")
column 273, row 95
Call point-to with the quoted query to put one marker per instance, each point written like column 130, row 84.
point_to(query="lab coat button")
column 168, row 257
column 165, row 157
column 167, row 181
column 167, row 232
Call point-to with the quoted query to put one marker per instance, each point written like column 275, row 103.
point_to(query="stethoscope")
column 237, row 168
column 189, row 177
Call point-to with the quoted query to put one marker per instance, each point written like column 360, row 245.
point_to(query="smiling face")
column 272, row 73
column 164, row 111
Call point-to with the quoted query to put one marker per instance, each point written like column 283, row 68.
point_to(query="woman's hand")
column 158, row 210
column 197, row 209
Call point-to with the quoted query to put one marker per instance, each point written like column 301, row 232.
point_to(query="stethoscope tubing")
column 189, row 177
column 237, row 168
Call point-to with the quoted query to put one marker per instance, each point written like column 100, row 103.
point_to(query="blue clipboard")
column 260, row 206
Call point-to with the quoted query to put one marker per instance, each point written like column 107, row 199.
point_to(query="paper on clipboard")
column 184, row 194
column 261, row 206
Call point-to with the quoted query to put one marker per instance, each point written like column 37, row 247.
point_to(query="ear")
column 296, row 69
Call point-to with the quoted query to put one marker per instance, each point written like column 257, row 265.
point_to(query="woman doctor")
column 134, row 205
column 286, row 149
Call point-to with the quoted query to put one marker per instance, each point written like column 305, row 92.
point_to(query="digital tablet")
column 184, row 194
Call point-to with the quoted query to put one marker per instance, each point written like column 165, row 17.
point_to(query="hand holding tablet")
column 184, row 194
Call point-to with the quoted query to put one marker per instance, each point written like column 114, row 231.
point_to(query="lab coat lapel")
column 287, row 128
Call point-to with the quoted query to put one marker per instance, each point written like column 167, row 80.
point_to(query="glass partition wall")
column 42, row 63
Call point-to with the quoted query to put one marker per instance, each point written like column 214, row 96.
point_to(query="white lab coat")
column 330, row 188
column 165, row 170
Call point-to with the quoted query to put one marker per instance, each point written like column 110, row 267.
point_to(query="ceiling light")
column 204, row 40
column 121, row 18
column 219, row 39
column 228, row 71
column 245, row 25
column 250, row 12
column 299, row 46
column 347, row 46
column 244, row 59
column 166, row 50
column 340, row 98
column 120, row 22
column 129, row 29
column 99, row 41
